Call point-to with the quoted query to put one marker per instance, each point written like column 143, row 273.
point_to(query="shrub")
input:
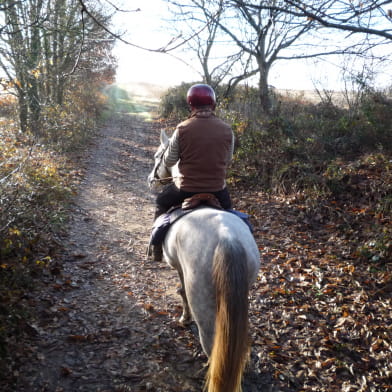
column 7, row 105
column 173, row 104
column 295, row 146
column 66, row 127
column 35, row 186
column 303, row 139
column 36, row 183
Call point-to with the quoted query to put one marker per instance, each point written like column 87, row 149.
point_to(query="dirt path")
column 107, row 319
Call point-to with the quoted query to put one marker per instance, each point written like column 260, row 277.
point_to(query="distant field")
column 154, row 92
column 142, row 89
column 337, row 97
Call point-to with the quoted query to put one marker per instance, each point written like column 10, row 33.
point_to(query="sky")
column 145, row 28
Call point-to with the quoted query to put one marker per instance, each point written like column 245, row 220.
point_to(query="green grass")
column 120, row 100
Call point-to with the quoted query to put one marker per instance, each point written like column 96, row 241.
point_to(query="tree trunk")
column 23, row 112
column 34, row 107
column 265, row 99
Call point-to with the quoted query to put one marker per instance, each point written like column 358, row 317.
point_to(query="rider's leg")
column 169, row 197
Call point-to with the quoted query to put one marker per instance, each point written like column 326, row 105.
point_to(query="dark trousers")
column 172, row 196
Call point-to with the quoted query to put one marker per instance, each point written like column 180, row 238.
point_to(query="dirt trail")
column 107, row 318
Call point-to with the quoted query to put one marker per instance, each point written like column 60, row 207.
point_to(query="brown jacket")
column 205, row 147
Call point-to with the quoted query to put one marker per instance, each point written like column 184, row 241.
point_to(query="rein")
column 163, row 181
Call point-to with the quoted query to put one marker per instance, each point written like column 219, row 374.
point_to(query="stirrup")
column 148, row 251
column 154, row 252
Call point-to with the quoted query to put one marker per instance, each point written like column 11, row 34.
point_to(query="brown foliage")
column 321, row 305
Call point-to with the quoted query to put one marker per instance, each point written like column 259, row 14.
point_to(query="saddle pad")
column 163, row 222
column 244, row 217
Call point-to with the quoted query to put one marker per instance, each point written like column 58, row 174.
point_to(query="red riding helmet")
column 201, row 95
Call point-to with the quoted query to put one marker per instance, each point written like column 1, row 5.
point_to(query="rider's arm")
column 172, row 154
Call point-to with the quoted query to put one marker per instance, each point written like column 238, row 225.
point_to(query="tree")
column 203, row 17
column 366, row 26
column 260, row 34
column 273, row 30
column 370, row 17
column 43, row 44
column 263, row 35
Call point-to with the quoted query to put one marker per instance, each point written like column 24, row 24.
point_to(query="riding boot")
column 157, row 252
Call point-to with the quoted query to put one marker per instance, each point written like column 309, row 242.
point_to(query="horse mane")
column 231, row 344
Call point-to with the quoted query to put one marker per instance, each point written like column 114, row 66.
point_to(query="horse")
column 217, row 260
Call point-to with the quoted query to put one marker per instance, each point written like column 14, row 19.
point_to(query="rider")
column 203, row 147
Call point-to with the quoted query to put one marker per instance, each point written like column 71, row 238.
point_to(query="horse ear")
column 164, row 137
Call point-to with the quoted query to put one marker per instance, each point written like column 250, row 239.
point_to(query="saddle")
column 163, row 222
column 207, row 199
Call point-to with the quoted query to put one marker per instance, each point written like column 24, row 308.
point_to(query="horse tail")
column 229, row 352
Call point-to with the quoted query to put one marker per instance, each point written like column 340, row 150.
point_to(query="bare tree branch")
column 300, row 9
column 79, row 54
column 170, row 46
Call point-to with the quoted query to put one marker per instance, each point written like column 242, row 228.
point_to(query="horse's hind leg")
column 186, row 318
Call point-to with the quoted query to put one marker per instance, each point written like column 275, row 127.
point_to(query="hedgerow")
column 332, row 158
column 38, row 177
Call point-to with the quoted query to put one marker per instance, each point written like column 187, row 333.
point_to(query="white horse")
column 217, row 260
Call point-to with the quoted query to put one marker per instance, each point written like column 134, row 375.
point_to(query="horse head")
column 160, row 174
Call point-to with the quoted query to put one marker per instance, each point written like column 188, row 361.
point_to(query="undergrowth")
column 336, row 159
column 38, row 176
